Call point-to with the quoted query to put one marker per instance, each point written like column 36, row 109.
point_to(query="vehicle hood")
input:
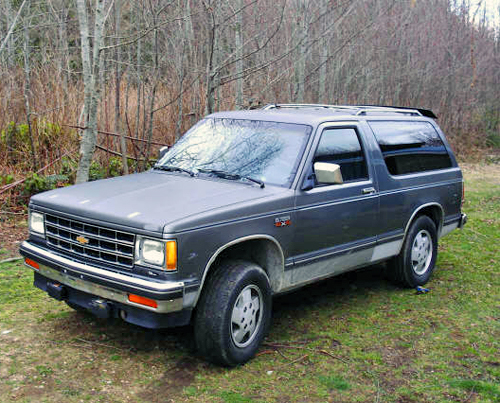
column 153, row 200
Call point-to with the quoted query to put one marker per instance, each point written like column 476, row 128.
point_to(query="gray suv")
column 245, row 206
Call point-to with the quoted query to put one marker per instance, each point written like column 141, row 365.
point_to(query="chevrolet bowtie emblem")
column 82, row 240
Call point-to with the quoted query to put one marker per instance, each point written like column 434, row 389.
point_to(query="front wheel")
column 234, row 313
column 416, row 261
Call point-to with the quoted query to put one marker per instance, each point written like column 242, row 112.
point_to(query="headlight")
column 160, row 254
column 36, row 223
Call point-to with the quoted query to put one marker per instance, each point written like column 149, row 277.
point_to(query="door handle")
column 368, row 191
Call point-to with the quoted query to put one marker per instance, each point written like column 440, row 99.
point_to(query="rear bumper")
column 463, row 220
column 86, row 283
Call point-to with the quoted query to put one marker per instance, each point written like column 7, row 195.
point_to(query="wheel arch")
column 433, row 210
column 261, row 249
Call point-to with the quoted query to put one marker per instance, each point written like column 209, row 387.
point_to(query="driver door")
column 335, row 224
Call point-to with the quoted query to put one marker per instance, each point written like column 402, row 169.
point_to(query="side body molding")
column 415, row 213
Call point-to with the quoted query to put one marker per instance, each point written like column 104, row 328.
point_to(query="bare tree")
column 90, row 63
column 27, row 85
column 118, row 76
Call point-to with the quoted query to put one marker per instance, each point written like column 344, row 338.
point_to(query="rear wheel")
column 234, row 313
column 416, row 261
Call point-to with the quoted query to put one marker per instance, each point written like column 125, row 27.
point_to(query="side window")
column 409, row 147
column 342, row 147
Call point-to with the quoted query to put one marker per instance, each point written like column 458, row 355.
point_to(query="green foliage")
column 43, row 370
column 68, row 169
column 133, row 165
column 48, row 133
column 115, row 167
column 35, row 183
column 233, row 397
column 6, row 179
column 334, row 382
column 488, row 389
column 15, row 136
column 489, row 122
column 96, row 171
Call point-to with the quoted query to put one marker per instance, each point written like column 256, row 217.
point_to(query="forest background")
column 90, row 89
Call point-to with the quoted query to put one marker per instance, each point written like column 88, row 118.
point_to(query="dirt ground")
column 12, row 231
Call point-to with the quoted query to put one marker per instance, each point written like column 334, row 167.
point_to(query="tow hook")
column 57, row 291
column 100, row 308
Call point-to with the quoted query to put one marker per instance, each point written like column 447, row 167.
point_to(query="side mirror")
column 162, row 152
column 328, row 173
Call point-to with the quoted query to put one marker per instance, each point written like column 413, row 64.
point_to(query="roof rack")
column 277, row 106
column 360, row 109
column 367, row 110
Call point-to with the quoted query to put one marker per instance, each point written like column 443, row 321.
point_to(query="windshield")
column 266, row 151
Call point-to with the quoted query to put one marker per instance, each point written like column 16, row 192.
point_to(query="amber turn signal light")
column 32, row 263
column 171, row 249
column 142, row 300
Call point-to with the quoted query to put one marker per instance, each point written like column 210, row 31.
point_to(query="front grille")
column 90, row 241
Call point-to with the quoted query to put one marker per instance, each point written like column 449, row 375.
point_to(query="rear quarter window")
column 409, row 147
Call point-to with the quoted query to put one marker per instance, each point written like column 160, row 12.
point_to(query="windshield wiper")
column 230, row 176
column 172, row 168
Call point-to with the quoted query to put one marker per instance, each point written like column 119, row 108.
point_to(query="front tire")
column 416, row 261
column 234, row 313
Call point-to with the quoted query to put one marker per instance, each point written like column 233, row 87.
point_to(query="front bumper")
column 106, row 284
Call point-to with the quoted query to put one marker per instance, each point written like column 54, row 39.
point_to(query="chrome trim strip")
column 90, row 234
column 386, row 250
column 77, row 255
column 139, row 283
column 234, row 242
column 332, row 254
column 334, row 265
column 448, row 228
column 420, row 187
column 438, row 230
column 55, row 225
column 387, row 238
column 352, row 199
column 164, row 306
column 85, row 246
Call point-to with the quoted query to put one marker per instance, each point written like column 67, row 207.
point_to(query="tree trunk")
column 12, row 26
column 118, row 76
column 238, row 42
column 152, row 97
column 27, row 88
column 324, row 54
column 90, row 65
column 209, row 99
column 300, row 64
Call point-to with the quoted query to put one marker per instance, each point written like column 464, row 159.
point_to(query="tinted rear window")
column 410, row 147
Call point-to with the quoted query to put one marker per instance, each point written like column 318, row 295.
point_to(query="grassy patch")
column 352, row 338
column 334, row 382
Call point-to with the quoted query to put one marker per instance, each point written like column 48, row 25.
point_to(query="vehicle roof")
column 314, row 115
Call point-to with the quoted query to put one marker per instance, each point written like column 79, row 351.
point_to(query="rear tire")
column 416, row 261
column 233, row 313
